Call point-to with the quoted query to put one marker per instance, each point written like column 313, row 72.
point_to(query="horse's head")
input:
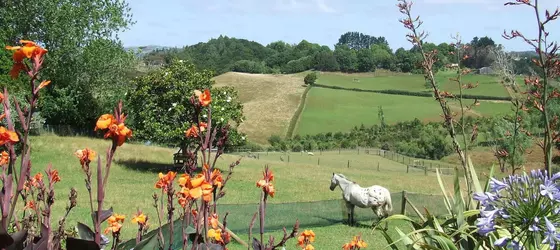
column 334, row 182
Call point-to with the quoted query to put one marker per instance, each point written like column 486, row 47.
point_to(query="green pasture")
column 330, row 110
column 135, row 168
column 488, row 85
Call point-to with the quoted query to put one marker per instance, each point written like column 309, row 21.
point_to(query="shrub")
column 310, row 78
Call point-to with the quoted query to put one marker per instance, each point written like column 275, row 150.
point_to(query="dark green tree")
column 85, row 59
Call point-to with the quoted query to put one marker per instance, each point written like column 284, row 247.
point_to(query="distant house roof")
column 485, row 70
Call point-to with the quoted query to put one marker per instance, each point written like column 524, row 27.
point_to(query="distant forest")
column 354, row 52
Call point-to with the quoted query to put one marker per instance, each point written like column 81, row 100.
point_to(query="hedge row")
column 297, row 114
column 412, row 93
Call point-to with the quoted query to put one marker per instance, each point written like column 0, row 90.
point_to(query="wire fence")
column 325, row 213
column 412, row 164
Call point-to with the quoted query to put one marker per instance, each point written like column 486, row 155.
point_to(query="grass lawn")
column 339, row 110
column 269, row 101
column 135, row 168
column 488, row 85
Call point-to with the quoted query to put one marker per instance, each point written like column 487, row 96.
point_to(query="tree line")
column 354, row 52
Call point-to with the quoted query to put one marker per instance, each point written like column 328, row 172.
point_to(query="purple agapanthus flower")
column 552, row 237
column 510, row 200
column 496, row 185
column 501, row 242
column 549, row 189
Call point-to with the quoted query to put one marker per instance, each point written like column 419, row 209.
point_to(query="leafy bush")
column 310, row 78
column 160, row 112
column 248, row 66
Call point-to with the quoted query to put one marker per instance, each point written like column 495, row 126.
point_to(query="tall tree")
column 356, row 40
column 81, row 36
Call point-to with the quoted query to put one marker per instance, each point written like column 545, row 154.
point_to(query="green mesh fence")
column 320, row 213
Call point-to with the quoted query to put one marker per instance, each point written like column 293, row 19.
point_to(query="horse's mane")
column 344, row 177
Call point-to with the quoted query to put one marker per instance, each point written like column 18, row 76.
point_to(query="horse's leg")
column 352, row 215
column 349, row 213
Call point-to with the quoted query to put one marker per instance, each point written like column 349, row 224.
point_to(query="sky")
column 179, row 23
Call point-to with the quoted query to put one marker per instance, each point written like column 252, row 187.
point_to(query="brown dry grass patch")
column 269, row 101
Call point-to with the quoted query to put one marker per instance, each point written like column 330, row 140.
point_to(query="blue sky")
column 186, row 22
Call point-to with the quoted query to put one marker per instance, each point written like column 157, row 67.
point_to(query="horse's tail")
column 388, row 206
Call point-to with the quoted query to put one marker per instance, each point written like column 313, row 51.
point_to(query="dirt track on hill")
column 269, row 101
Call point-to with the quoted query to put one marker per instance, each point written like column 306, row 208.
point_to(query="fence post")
column 258, row 156
column 403, row 203
column 318, row 160
column 377, row 166
column 288, row 158
column 348, row 163
column 425, row 170
column 358, row 151
column 407, row 166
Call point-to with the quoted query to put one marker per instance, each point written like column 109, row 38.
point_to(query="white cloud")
column 303, row 5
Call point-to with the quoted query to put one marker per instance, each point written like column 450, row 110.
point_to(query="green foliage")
column 506, row 135
column 366, row 60
column 411, row 138
column 248, row 66
column 456, row 231
column 85, row 61
column 310, row 78
column 160, row 111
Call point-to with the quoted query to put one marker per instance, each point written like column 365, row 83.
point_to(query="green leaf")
column 442, row 187
column 444, row 243
column 85, row 232
column 389, row 240
column 105, row 214
column 474, row 177
column 148, row 243
column 458, row 208
column 73, row 243
column 406, row 240
column 18, row 240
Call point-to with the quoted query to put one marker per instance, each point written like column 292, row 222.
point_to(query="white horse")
column 376, row 197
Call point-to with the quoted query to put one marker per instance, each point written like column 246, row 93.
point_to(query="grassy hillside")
column 135, row 169
column 329, row 110
column 269, row 101
column 488, row 85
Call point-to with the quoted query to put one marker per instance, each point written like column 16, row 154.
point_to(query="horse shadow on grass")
column 145, row 166
column 152, row 167
column 332, row 221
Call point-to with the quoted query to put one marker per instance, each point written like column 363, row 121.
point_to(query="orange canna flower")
column 7, row 136
column 4, row 158
column 30, row 205
column 104, row 121
column 116, row 130
column 214, row 221
column 194, row 188
column 215, row 234
column 356, row 243
column 29, row 50
column 203, row 97
column 266, row 182
column 216, row 178
column 165, row 180
column 114, row 223
column 192, row 132
column 203, row 126
column 139, row 218
column 85, row 155
column 305, row 239
column 43, row 84
column 53, row 176
column 309, row 247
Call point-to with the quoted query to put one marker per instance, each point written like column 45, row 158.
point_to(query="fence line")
column 327, row 212
column 411, row 163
